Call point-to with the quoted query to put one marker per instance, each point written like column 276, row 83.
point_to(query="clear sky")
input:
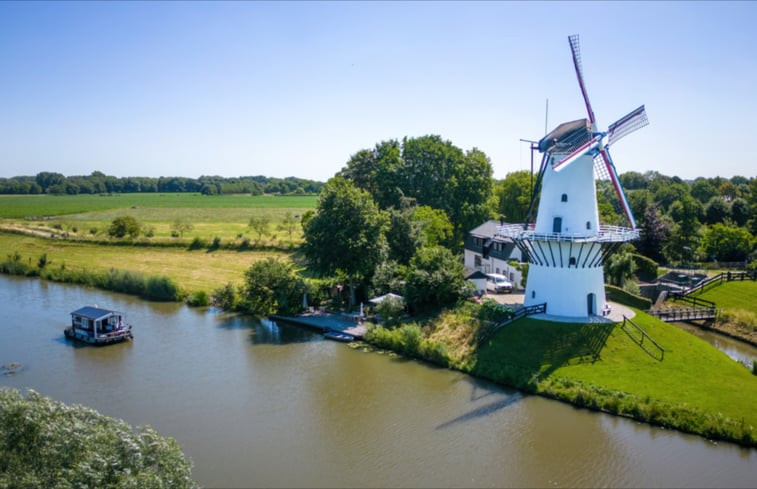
column 295, row 88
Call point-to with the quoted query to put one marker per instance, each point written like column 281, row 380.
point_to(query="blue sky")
column 295, row 88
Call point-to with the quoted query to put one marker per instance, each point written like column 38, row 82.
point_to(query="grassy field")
column 22, row 206
column 85, row 219
column 601, row 361
column 733, row 295
column 193, row 271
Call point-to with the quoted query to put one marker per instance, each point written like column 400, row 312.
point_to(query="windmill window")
column 588, row 224
column 564, row 197
column 533, row 294
column 572, row 261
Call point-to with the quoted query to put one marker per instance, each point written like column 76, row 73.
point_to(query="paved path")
column 617, row 311
column 325, row 321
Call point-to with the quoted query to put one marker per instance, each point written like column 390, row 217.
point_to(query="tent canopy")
column 378, row 300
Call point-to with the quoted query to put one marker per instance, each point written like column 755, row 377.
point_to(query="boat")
column 339, row 336
column 98, row 326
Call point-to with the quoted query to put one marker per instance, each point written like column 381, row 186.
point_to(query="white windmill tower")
column 567, row 246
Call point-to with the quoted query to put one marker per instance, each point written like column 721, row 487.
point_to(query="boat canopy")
column 95, row 313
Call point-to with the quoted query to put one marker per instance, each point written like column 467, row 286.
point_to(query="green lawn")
column 733, row 295
column 695, row 387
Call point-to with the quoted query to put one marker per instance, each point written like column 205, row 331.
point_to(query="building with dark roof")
column 488, row 252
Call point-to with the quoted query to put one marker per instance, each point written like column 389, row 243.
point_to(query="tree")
column 259, row 224
column 46, row 443
column 703, row 190
column 288, row 224
column 514, row 196
column 436, row 279
column 619, row 268
column 346, row 234
column 123, row 225
column 272, row 286
column 716, row 210
column 434, row 226
column 740, row 211
column 726, row 243
column 181, row 226
column 655, row 231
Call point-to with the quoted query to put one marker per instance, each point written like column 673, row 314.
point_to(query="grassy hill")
column 737, row 308
column 692, row 386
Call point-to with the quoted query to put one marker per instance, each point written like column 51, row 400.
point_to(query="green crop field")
column 223, row 216
column 24, row 206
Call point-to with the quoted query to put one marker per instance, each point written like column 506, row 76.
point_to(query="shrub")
column 646, row 268
column 161, row 289
column 198, row 299
column 197, row 243
column 492, row 310
column 123, row 225
column 215, row 244
column 46, row 443
column 619, row 295
column 391, row 309
column 226, row 297
column 410, row 338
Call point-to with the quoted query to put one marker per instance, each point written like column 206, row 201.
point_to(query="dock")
column 326, row 321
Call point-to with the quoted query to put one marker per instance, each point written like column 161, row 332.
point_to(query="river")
column 259, row 404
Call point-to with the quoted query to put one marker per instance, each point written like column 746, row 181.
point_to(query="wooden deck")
column 324, row 322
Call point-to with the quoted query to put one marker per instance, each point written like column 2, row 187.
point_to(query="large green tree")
column 727, row 243
column 272, row 286
column 436, row 279
column 429, row 171
column 346, row 234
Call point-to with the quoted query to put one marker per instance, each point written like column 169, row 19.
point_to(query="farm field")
column 225, row 216
column 84, row 219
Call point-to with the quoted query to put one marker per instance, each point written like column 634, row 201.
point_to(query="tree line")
column 99, row 183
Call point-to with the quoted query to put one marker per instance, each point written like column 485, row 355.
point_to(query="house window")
column 564, row 197
column 477, row 261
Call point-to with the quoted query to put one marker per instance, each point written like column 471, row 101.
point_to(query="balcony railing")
column 605, row 234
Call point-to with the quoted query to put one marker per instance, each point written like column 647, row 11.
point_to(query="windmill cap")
column 566, row 137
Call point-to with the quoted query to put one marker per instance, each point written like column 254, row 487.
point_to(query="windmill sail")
column 575, row 50
column 624, row 126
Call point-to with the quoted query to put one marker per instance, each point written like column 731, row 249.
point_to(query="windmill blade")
column 574, row 48
column 627, row 124
column 577, row 153
column 618, row 189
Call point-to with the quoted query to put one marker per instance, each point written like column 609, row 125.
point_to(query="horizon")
column 296, row 88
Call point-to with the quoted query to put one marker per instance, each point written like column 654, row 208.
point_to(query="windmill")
column 566, row 246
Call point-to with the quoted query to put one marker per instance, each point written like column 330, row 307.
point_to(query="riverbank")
column 690, row 386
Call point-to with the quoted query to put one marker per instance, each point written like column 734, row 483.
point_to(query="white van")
column 498, row 283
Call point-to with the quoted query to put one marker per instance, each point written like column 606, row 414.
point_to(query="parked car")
column 498, row 283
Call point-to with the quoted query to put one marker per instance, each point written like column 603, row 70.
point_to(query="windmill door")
column 591, row 304
column 557, row 225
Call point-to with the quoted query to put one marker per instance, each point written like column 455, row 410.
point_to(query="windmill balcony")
column 605, row 234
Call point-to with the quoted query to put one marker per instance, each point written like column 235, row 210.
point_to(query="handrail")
column 643, row 335
column 520, row 313
column 604, row 234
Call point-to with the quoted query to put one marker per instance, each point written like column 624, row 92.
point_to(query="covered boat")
column 98, row 326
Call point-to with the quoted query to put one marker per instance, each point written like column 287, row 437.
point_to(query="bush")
column 46, row 443
column 646, row 268
column 226, row 297
column 123, row 225
column 492, row 310
column 198, row 299
column 616, row 294
column 161, row 289
column 215, row 244
column 197, row 244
